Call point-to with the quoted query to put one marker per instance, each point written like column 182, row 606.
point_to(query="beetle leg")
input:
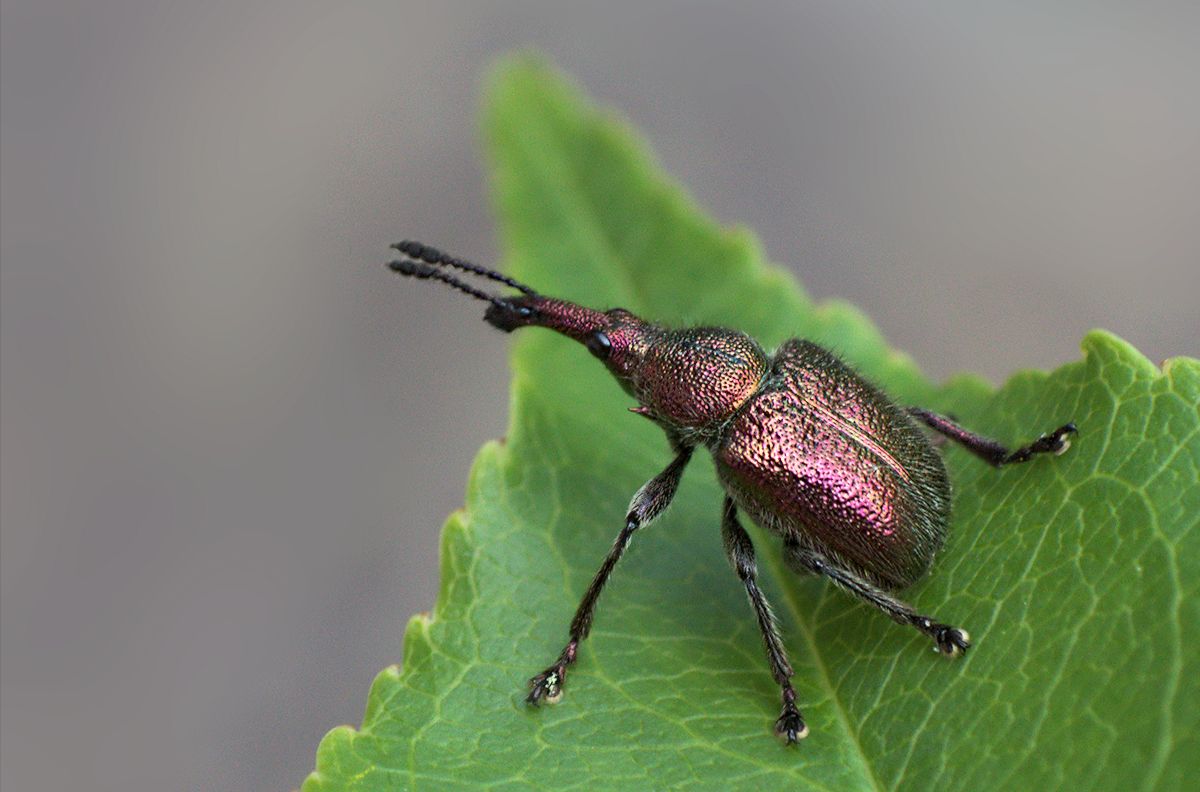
column 790, row 725
column 649, row 502
column 950, row 641
column 992, row 452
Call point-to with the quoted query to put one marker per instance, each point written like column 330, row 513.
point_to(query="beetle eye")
column 599, row 345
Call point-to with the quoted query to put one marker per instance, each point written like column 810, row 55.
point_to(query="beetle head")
column 688, row 380
column 616, row 337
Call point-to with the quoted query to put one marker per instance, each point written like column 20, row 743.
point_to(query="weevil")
column 802, row 443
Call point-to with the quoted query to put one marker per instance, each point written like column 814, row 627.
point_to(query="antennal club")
column 430, row 255
column 423, row 271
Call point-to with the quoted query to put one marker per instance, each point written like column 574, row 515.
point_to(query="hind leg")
column 991, row 451
column 950, row 641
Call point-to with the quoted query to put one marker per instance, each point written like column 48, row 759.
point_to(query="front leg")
column 649, row 502
column 790, row 725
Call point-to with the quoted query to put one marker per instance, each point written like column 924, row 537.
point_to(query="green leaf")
column 1077, row 576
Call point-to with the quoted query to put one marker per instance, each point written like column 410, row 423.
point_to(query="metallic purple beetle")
column 802, row 443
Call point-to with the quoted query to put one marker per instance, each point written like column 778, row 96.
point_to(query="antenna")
column 430, row 255
column 423, row 271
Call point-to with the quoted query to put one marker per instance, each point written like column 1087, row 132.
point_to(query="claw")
column 547, row 685
column 790, row 726
column 1062, row 439
column 951, row 641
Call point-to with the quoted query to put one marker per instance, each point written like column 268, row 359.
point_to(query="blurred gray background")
column 230, row 437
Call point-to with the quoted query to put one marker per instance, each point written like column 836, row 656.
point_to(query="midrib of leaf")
column 770, row 561
column 555, row 167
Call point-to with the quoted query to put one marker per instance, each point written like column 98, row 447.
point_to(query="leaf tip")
column 523, row 72
column 1101, row 345
column 521, row 64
